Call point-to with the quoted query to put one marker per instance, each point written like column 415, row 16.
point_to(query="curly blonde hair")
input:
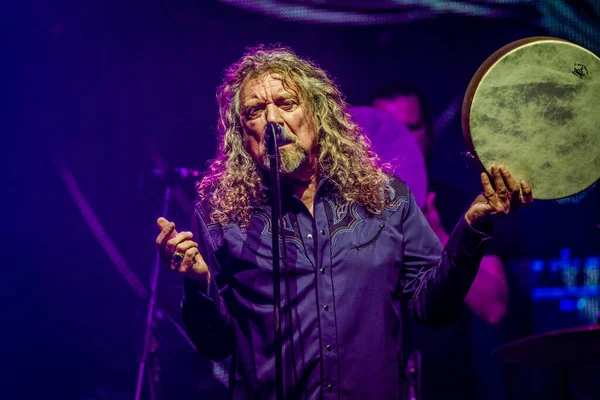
column 233, row 183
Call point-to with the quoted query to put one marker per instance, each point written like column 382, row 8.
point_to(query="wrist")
column 197, row 283
column 481, row 224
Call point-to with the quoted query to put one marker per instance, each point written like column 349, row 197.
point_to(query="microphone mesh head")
column 274, row 129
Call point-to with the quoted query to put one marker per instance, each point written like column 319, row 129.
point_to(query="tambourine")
column 534, row 105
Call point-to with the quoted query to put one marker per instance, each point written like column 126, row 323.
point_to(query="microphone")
column 274, row 129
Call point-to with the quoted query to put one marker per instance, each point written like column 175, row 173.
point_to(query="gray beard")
column 290, row 158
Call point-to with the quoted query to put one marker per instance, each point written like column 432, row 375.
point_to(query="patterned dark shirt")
column 349, row 276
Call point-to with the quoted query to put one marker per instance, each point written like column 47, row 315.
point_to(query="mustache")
column 289, row 137
column 291, row 157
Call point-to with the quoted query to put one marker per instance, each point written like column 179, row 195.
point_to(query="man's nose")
column 273, row 114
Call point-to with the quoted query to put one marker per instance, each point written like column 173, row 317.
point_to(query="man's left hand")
column 501, row 198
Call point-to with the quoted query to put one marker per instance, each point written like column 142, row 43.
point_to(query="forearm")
column 439, row 291
column 206, row 319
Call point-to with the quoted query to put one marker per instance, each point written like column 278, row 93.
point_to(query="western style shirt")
column 347, row 277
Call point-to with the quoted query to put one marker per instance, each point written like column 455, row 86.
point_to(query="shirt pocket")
column 369, row 239
column 370, row 256
column 262, row 248
column 259, row 248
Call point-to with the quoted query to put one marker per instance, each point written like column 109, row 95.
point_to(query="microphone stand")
column 273, row 151
column 150, row 344
column 413, row 375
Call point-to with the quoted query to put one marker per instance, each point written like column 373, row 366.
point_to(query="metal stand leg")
column 150, row 344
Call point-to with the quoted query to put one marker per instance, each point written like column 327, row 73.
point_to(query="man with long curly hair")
column 358, row 249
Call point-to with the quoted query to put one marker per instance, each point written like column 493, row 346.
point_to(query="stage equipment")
column 573, row 346
column 150, row 344
column 413, row 376
column 274, row 136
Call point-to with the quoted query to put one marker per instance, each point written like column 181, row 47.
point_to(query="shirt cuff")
column 194, row 290
column 465, row 239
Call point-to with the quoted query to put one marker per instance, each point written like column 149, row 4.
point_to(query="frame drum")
column 534, row 105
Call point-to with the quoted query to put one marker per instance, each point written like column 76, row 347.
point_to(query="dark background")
column 105, row 92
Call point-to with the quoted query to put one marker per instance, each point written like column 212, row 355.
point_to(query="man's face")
column 408, row 111
column 264, row 99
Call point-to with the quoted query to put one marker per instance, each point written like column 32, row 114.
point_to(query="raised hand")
column 179, row 253
column 501, row 198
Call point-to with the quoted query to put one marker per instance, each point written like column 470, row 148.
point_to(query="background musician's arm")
column 488, row 296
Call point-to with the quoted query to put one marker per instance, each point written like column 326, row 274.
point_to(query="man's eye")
column 253, row 113
column 288, row 105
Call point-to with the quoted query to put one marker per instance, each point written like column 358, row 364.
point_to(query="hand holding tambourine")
column 502, row 197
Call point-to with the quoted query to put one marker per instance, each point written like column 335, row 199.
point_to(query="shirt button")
column 325, row 307
column 322, row 231
column 322, row 270
column 309, row 236
column 328, row 347
column 330, row 387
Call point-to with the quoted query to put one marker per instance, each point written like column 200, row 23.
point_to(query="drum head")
column 534, row 105
column 394, row 144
